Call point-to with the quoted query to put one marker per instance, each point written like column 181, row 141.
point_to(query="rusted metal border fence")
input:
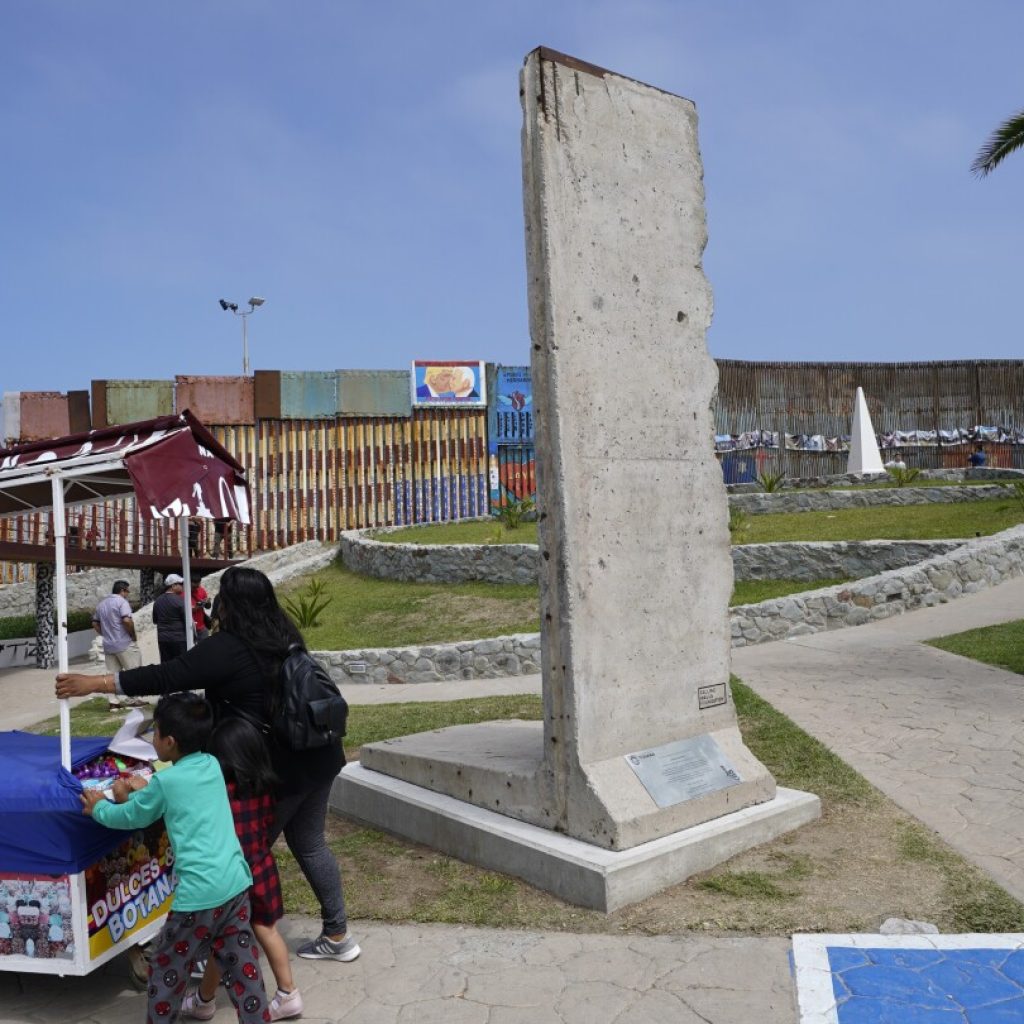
column 817, row 398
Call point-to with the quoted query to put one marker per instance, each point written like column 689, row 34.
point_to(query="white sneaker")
column 286, row 1005
column 195, row 1007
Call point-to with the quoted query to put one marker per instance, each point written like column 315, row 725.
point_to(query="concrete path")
column 26, row 694
column 436, row 974
column 939, row 734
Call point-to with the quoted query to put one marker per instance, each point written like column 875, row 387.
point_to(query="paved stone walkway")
column 939, row 734
column 448, row 975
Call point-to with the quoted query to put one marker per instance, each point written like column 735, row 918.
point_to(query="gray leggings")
column 302, row 817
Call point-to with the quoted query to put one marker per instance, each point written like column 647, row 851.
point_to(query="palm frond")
column 1009, row 136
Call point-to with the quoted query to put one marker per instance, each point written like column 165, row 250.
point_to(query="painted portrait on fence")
column 448, row 383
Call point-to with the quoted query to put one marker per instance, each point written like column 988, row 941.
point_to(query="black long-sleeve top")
column 230, row 672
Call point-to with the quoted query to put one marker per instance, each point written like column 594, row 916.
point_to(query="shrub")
column 901, row 476
column 513, row 514
column 771, row 482
column 306, row 606
column 25, row 625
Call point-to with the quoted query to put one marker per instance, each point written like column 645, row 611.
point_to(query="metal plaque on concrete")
column 712, row 696
column 683, row 770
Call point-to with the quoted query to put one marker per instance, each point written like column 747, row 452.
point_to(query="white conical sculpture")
column 864, row 457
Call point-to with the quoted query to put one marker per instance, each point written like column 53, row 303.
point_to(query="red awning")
column 173, row 465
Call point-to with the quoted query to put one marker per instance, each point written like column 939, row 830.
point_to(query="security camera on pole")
column 254, row 303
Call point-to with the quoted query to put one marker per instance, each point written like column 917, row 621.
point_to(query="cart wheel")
column 138, row 967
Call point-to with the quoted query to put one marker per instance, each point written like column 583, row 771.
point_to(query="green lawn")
column 1002, row 646
column 907, row 522
column 366, row 612
column 755, row 591
column 472, row 532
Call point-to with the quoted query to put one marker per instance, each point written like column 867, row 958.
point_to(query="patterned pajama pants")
column 225, row 933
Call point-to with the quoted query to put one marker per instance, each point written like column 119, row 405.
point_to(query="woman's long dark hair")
column 248, row 608
column 243, row 756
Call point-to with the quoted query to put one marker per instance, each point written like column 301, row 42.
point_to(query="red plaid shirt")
column 254, row 816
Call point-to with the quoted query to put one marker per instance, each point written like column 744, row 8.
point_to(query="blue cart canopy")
column 42, row 828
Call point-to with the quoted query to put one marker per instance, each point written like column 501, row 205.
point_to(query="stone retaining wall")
column 514, row 655
column 972, row 566
column 978, row 564
column 85, row 590
column 824, row 560
column 517, row 563
column 829, row 501
column 439, row 563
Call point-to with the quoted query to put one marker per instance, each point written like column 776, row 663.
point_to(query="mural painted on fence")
column 511, row 423
column 448, row 383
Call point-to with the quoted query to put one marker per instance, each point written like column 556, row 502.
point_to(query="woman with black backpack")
column 240, row 668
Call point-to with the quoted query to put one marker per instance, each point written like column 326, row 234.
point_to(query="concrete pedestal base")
column 500, row 766
column 575, row 871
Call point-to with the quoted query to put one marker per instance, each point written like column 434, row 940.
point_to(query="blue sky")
column 358, row 164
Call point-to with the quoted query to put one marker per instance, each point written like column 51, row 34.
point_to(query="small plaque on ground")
column 711, row 696
column 683, row 770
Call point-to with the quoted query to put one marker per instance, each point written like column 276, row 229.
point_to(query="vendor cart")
column 74, row 894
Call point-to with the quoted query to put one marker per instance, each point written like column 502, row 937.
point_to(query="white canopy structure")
column 174, row 466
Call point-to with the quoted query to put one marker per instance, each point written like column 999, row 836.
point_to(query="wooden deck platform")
column 11, row 551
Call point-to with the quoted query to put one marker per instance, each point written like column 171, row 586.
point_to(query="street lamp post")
column 254, row 303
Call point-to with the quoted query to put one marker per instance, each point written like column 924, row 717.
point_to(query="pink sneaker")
column 284, row 1006
column 193, row 1006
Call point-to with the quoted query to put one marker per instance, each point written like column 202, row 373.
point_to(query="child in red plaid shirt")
column 245, row 762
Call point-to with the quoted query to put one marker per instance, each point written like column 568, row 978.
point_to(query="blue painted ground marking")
column 910, row 979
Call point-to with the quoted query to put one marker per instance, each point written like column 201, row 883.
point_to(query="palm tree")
column 1008, row 137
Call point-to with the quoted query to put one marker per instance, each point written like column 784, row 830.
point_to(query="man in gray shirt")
column 113, row 621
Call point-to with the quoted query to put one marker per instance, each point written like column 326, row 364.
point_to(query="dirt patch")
column 460, row 615
column 847, row 872
column 484, row 610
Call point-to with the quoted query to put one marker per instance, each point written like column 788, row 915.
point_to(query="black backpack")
column 310, row 711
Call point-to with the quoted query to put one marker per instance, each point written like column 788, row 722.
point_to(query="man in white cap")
column 169, row 618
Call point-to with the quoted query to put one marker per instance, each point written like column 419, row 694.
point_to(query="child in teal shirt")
column 211, row 901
